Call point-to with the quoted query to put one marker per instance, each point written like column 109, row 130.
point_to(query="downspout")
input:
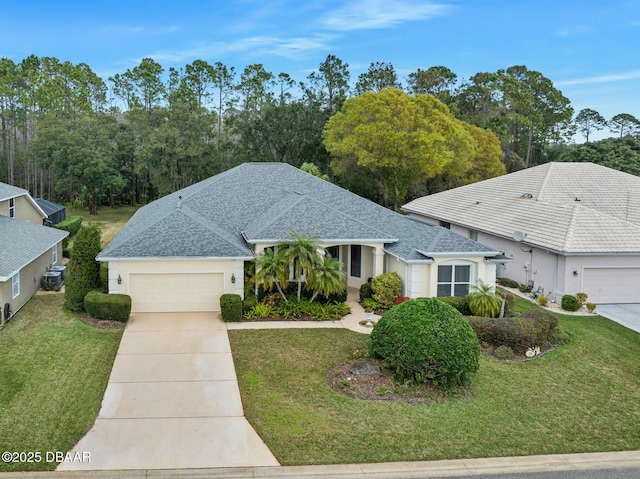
column 555, row 278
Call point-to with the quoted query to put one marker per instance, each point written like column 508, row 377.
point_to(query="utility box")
column 55, row 277
column 60, row 269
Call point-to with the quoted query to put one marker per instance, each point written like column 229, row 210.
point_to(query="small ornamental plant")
column 582, row 298
column 543, row 300
column 591, row 307
column 401, row 299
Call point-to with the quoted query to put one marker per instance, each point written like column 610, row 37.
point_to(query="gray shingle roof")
column 263, row 202
column 22, row 242
column 9, row 191
column 574, row 208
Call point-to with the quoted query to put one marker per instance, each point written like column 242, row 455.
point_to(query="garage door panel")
column 612, row 285
column 159, row 292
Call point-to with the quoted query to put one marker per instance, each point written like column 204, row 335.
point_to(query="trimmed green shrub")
column 557, row 336
column 582, row 298
column 386, row 288
column 570, row 302
column 503, row 352
column 83, row 271
column 591, row 307
column 104, row 277
column 502, row 332
column 461, row 303
column 506, row 282
column 72, row 224
column 366, row 291
column 231, row 307
column 248, row 303
column 525, row 288
column 510, row 303
column 114, row 307
column 538, row 323
column 426, row 340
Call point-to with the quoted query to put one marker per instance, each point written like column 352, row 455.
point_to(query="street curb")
column 389, row 470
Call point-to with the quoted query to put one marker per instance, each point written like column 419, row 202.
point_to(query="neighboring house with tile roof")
column 579, row 224
column 181, row 252
column 27, row 248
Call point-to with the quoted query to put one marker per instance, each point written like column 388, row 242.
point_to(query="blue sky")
column 589, row 49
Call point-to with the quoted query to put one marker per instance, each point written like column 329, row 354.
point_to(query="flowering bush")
column 401, row 299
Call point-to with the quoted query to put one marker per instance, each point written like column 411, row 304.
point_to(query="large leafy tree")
column 624, row 124
column 438, row 81
column 588, row 120
column 379, row 76
column 329, row 86
column 399, row 140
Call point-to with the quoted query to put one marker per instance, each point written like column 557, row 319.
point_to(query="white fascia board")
column 461, row 254
column 332, row 241
column 410, row 261
column 107, row 259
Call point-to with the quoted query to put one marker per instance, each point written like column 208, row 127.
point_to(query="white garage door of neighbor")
column 175, row 292
column 612, row 285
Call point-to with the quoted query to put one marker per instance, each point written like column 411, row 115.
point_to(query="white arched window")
column 454, row 278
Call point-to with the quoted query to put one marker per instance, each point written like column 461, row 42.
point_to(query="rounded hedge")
column 424, row 340
column 570, row 303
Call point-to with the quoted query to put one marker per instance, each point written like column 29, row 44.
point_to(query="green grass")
column 582, row 397
column 111, row 220
column 53, row 373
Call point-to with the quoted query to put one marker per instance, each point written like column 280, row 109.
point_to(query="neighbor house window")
column 12, row 209
column 15, row 284
column 54, row 255
column 473, row 234
column 454, row 279
column 444, row 224
column 356, row 261
column 334, row 251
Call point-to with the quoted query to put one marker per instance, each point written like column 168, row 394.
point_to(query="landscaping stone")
column 364, row 368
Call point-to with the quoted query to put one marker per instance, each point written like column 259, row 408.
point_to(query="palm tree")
column 273, row 269
column 301, row 252
column 484, row 301
column 328, row 277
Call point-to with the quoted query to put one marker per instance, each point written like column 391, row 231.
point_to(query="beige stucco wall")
column 24, row 210
column 574, row 284
column 30, row 280
column 124, row 269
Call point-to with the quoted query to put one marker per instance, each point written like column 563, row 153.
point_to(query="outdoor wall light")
column 119, row 279
column 575, row 273
column 233, row 278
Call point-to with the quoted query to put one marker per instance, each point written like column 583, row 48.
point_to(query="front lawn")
column 53, row 373
column 582, row 397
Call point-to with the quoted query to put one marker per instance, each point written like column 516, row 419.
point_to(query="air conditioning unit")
column 60, row 269
column 54, row 277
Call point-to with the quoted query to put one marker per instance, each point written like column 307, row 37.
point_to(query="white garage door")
column 174, row 292
column 612, row 285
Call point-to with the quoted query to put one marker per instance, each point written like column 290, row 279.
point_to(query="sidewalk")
column 395, row 470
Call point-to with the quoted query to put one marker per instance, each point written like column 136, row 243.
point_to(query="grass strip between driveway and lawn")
column 581, row 397
column 53, row 373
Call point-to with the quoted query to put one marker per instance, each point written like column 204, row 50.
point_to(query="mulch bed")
column 384, row 387
column 100, row 323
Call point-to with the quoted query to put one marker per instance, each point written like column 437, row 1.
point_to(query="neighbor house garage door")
column 159, row 292
column 612, row 285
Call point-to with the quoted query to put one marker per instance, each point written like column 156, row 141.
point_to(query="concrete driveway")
column 625, row 314
column 172, row 401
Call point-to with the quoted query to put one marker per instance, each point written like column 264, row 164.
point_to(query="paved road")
column 615, row 473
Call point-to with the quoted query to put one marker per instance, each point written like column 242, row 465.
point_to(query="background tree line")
column 70, row 136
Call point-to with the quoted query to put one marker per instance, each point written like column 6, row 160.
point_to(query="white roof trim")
column 458, row 254
column 332, row 241
column 176, row 258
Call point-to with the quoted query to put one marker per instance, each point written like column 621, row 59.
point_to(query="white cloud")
column 126, row 30
column 362, row 14
column 614, row 77
column 256, row 45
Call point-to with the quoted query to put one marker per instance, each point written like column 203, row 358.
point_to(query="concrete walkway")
column 172, row 401
column 627, row 315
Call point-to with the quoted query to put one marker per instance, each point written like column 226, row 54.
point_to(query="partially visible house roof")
column 49, row 207
column 9, row 191
column 264, row 203
column 572, row 208
column 22, row 242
